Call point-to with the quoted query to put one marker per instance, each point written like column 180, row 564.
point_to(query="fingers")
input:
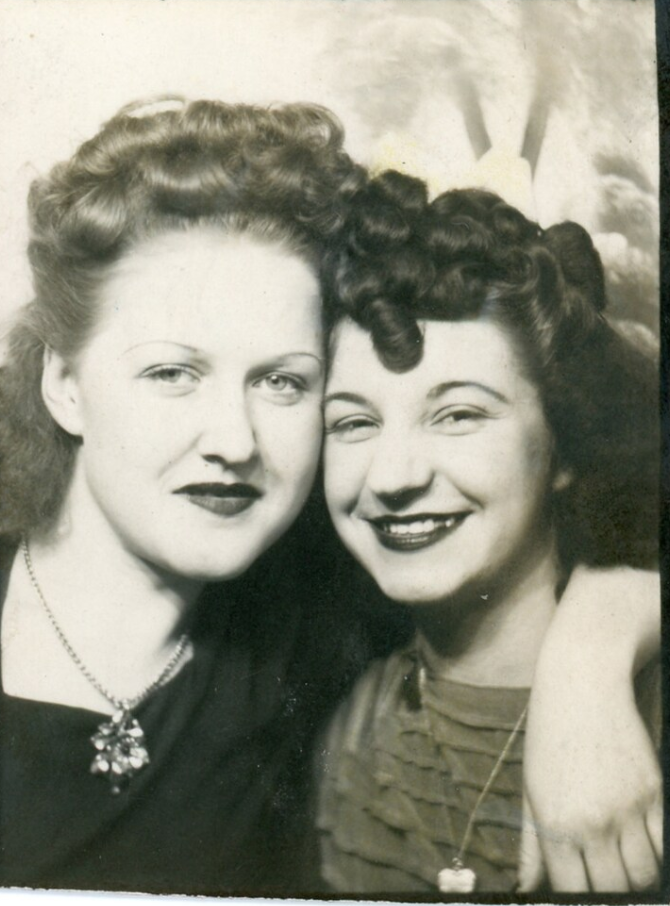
column 565, row 867
column 531, row 867
column 654, row 822
column 638, row 856
column 605, row 867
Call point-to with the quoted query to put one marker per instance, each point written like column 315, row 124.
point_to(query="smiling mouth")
column 411, row 533
column 221, row 499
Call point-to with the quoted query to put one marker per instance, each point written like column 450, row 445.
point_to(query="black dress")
column 212, row 813
column 224, row 805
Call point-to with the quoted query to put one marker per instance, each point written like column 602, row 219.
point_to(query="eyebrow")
column 282, row 357
column 345, row 397
column 288, row 360
column 455, row 385
column 294, row 355
column 163, row 342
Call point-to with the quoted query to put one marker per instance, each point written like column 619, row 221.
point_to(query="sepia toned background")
column 428, row 86
column 450, row 90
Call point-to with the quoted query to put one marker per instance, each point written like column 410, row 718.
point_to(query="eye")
column 459, row 419
column 352, row 429
column 278, row 383
column 278, row 387
column 173, row 375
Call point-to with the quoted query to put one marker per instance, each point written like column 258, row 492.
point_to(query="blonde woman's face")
column 198, row 401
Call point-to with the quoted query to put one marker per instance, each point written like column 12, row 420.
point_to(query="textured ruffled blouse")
column 403, row 766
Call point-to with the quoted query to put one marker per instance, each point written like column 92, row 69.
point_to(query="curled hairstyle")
column 469, row 255
column 277, row 173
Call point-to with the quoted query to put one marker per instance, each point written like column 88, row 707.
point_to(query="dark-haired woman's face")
column 198, row 401
column 437, row 478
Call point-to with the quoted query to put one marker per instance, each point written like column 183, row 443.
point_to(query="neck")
column 119, row 612
column 113, row 583
column 492, row 637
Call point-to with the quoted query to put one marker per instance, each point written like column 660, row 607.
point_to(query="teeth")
column 420, row 527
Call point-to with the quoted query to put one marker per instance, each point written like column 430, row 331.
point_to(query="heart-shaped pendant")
column 456, row 880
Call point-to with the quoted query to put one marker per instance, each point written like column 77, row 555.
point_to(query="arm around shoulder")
column 591, row 771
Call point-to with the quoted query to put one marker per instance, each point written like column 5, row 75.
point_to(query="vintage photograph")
column 329, row 449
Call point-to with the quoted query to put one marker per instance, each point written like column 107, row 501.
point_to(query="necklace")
column 458, row 878
column 119, row 742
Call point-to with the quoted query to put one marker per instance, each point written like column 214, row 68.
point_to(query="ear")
column 562, row 479
column 61, row 393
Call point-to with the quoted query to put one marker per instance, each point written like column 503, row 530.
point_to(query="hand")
column 593, row 806
column 596, row 817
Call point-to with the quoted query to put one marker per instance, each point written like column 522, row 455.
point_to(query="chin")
column 416, row 589
column 206, row 566
column 216, row 573
column 408, row 592
column 218, row 568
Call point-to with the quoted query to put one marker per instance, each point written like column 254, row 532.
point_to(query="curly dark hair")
column 467, row 255
column 278, row 173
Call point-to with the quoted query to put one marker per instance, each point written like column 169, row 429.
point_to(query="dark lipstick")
column 220, row 498
column 415, row 532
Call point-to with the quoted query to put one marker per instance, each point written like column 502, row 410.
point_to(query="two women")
column 161, row 428
column 486, row 430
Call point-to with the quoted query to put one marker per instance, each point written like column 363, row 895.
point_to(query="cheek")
column 113, row 410
column 472, row 464
column 126, row 434
column 129, row 445
column 345, row 468
column 290, row 440
column 529, row 461
column 498, row 463
column 523, row 482
column 538, row 456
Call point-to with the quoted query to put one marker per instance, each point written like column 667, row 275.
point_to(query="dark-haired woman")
column 161, row 428
column 487, row 430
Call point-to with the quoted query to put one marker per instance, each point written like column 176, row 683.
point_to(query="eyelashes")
column 277, row 382
column 459, row 419
column 280, row 388
column 453, row 420
column 173, row 375
column 353, row 428
column 179, row 378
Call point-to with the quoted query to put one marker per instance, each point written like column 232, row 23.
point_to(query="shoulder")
column 354, row 725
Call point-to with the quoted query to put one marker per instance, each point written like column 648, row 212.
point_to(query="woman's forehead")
column 477, row 351
column 195, row 286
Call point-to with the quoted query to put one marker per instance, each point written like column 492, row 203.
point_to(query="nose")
column 227, row 435
column 400, row 470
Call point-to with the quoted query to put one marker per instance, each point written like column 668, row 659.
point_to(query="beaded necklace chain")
column 120, row 743
column 459, row 878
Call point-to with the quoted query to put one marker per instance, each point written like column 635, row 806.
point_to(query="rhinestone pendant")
column 120, row 749
column 457, row 879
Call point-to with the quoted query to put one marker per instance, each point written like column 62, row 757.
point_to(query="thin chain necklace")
column 119, row 743
column 459, row 878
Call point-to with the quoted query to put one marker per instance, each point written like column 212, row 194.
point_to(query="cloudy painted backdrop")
column 454, row 90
